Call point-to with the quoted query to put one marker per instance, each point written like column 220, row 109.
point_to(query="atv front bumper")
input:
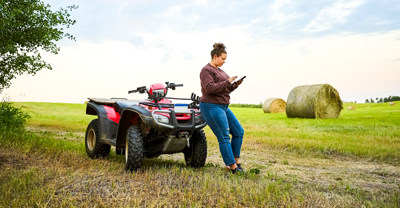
column 174, row 126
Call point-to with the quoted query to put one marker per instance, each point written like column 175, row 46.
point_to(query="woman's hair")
column 219, row 48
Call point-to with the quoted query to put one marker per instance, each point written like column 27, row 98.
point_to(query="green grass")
column 57, row 116
column 351, row 161
column 371, row 131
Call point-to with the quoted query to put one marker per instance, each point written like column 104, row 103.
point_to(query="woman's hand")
column 237, row 83
column 232, row 79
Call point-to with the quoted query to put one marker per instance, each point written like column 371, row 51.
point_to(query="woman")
column 216, row 86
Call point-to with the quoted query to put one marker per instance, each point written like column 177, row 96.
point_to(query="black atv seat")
column 106, row 101
column 121, row 105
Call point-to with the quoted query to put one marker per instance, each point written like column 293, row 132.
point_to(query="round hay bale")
column 392, row 103
column 313, row 101
column 351, row 108
column 274, row 105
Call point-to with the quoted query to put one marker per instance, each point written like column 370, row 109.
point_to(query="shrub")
column 12, row 119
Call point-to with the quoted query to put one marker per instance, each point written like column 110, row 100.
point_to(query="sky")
column 353, row 45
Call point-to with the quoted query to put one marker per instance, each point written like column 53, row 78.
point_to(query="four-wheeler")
column 148, row 128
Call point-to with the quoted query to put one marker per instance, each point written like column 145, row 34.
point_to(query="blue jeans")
column 223, row 122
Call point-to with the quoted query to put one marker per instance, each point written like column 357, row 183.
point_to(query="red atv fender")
column 107, row 121
column 114, row 121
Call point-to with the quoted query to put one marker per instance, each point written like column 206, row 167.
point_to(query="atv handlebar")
column 156, row 96
column 172, row 85
column 141, row 90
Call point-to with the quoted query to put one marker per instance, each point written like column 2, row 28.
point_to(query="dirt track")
column 332, row 170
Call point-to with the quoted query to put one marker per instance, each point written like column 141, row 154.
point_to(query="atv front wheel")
column 134, row 149
column 94, row 148
column 196, row 154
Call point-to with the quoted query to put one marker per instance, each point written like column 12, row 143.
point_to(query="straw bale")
column 392, row 103
column 274, row 105
column 314, row 101
column 351, row 108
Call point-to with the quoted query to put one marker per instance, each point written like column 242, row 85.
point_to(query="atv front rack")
column 162, row 105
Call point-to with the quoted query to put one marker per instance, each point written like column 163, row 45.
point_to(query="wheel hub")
column 91, row 140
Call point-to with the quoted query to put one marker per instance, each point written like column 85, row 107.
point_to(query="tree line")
column 239, row 105
column 383, row 100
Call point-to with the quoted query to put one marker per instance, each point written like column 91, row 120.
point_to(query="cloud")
column 282, row 19
column 350, row 63
column 328, row 17
column 278, row 14
column 303, row 50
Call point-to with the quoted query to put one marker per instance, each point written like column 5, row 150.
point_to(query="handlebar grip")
column 178, row 85
column 131, row 91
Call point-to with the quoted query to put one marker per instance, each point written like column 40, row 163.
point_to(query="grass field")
column 351, row 161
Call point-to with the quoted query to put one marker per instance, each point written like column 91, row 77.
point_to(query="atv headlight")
column 198, row 119
column 161, row 119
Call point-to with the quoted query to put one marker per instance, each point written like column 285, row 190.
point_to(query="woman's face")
column 219, row 61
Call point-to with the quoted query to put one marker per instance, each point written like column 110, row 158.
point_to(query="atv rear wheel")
column 94, row 148
column 134, row 149
column 196, row 154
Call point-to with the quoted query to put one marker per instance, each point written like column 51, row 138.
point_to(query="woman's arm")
column 211, row 87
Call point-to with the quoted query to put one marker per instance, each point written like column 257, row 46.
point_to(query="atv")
column 147, row 128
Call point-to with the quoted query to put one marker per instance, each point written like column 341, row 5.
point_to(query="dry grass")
column 72, row 179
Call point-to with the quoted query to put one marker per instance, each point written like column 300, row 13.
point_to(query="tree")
column 395, row 98
column 383, row 100
column 27, row 26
